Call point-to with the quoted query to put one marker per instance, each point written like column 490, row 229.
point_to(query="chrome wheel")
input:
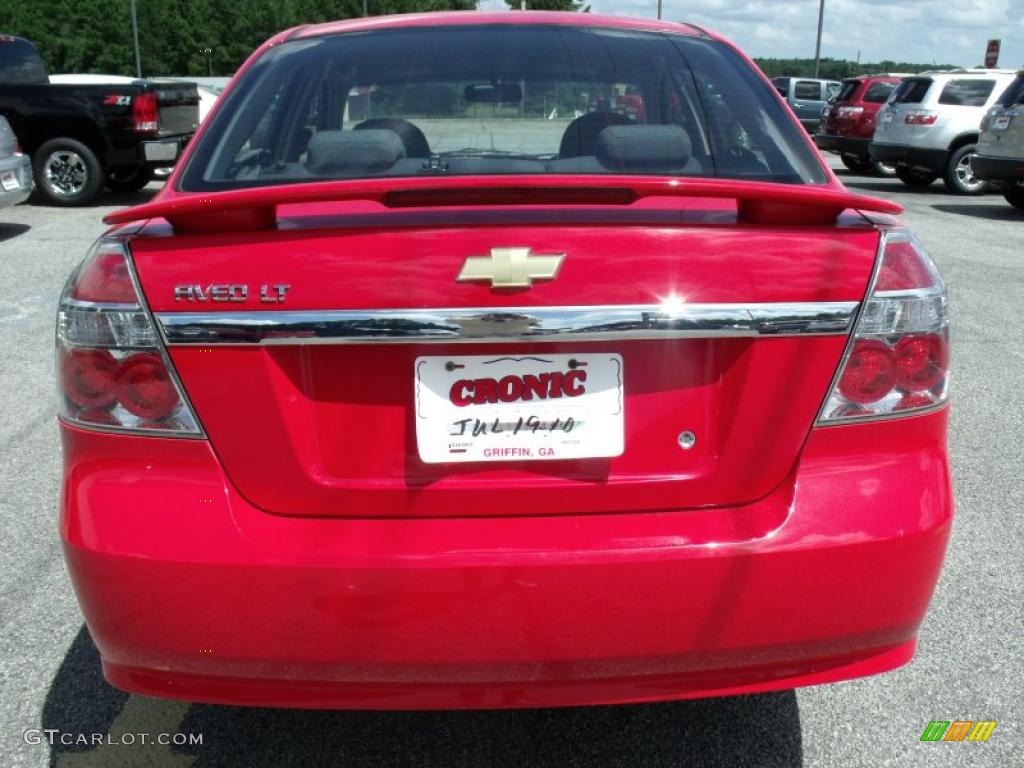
column 885, row 169
column 965, row 175
column 65, row 173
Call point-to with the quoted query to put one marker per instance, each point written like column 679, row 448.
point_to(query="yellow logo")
column 511, row 267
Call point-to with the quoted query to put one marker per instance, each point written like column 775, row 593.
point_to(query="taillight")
column 112, row 370
column 897, row 361
column 921, row 117
column 144, row 113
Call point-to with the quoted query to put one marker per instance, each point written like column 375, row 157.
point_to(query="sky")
column 925, row 31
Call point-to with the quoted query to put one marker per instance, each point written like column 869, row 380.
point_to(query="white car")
column 15, row 169
column 930, row 126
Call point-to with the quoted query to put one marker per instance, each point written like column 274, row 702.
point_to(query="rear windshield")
column 499, row 99
column 912, row 91
column 847, row 90
column 1014, row 94
column 878, row 93
column 967, row 93
column 20, row 63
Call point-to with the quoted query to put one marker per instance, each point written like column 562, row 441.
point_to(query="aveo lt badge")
column 235, row 292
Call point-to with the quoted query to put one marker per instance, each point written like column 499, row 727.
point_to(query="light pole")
column 135, row 37
column 208, row 52
column 366, row 9
column 659, row 9
column 817, row 48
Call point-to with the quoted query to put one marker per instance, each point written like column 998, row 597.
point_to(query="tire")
column 67, row 172
column 884, row 170
column 913, row 177
column 855, row 164
column 959, row 177
column 128, row 179
column 1015, row 197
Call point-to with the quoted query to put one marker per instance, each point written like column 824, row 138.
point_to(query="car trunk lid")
column 718, row 337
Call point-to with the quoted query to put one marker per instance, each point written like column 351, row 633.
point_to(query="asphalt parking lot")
column 969, row 663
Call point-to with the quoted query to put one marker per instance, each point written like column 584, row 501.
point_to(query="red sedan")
column 422, row 385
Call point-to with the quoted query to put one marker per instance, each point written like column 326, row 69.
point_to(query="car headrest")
column 580, row 137
column 345, row 153
column 644, row 148
column 413, row 139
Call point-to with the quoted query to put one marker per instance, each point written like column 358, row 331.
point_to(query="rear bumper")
column 16, row 181
column 933, row 160
column 843, row 145
column 158, row 152
column 1002, row 170
column 189, row 592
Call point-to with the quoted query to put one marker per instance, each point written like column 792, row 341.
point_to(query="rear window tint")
column 501, row 99
column 878, row 93
column 912, row 91
column 1014, row 93
column 781, row 85
column 967, row 93
column 805, row 89
column 848, row 89
column 20, row 63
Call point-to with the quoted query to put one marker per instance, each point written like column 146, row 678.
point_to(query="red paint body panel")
column 826, row 578
column 300, row 554
column 336, row 427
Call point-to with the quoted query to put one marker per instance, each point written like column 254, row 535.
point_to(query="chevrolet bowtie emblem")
column 511, row 267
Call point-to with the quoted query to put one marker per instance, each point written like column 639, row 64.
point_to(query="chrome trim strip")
column 507, row 324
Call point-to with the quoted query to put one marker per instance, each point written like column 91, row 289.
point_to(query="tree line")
column 195, row 37
column 837, row 69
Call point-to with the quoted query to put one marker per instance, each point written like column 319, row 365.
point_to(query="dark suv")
column 849, row 122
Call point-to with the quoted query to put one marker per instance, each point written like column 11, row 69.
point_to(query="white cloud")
column 925, row 31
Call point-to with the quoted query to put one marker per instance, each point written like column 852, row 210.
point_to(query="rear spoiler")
column 255, row 208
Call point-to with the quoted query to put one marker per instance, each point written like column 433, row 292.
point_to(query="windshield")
column 20, row 63
column 847, row 90
column 1014, row 94
column 501, row 99
column 911, row 91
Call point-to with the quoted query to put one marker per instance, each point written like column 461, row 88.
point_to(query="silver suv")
column 930, row 126
column 1000, row 158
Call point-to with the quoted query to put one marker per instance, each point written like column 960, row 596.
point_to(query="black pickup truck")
column 81, row 137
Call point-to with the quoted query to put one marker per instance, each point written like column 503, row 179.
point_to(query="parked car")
column 82, row 136
column 929, row 127
column 208, row 93
column 1000, row 157
column 15, row 169
column 572, row 411
column 848, row 122
column 807, row 97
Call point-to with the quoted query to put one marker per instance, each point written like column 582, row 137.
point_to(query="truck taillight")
column 112, row 370
column 144, row 113
column 897, row 362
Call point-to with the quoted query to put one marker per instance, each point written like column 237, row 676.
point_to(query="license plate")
column 9, row 181
column 1002, row 123
column 887, row 117
column 501, row 408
